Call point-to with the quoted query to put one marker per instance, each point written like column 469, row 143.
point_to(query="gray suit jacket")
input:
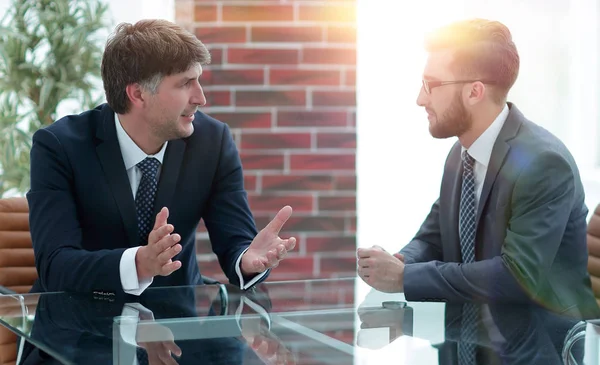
column 531, row 229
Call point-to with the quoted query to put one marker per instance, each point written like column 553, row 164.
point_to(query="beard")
column 168, row 127
column 455, row 120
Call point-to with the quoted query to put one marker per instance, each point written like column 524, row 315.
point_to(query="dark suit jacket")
column 531, row 229
column 82, row 210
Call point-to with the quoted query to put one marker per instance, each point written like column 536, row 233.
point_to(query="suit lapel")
column 111, row 159
column 169, row 174
column 501, row 147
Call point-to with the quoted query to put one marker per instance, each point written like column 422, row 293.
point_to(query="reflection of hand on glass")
column 390, row 321
column 264, row 343
column 159, row 352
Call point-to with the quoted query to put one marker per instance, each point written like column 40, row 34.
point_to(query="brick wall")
column 283, row 78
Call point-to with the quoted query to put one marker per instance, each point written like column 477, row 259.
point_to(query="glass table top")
column 333, row 321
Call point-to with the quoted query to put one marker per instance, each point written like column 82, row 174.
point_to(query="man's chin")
column 439, row 133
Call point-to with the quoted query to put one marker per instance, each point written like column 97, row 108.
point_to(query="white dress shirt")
column 481, row 151
column 132, row 155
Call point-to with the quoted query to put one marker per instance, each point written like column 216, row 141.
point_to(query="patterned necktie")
column 144, row 197
column 466, row 230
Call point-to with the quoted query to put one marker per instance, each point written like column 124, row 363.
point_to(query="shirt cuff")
column 130, row 316
column 251, row 306
column 128, row 324
column 128, row 272
column 238, row 270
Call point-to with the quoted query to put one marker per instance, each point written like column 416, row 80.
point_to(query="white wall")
column 398, row 163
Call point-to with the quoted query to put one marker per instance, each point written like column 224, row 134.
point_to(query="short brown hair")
column 144, row 53
column 482, row 49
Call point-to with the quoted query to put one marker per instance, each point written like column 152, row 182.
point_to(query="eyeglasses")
column 429, row 85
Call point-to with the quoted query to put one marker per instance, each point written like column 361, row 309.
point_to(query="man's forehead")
column 438, row 65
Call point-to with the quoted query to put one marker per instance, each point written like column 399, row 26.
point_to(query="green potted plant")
column 50, row 53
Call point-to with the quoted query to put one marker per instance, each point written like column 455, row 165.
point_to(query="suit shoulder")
column 75, row 126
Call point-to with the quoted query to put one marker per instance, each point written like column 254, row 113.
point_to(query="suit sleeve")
column 62, row 263
column 427, row 243
column 227, row 217
column 541, row 203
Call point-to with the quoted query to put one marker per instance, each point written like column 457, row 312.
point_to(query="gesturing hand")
column 267, row 249
column 156, row 257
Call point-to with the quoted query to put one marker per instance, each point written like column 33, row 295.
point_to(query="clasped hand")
column 380, row 269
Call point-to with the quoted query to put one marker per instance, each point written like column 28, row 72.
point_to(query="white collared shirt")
column 481, row 150
column 132, row 155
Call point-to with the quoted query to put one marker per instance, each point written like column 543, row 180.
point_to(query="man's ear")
column 476, row 93
column 136, row 94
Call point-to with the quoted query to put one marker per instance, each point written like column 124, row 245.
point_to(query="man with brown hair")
column 117, row 192
column 510, row 222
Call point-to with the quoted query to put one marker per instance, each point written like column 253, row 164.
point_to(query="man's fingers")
column 289, row 243
column 364, row 252
column 169, row 253
column 158, row 233
column 164, row 355
column 277, row 223
column 170, row 267
column 172, row 346
column 399, row 256
column 166, row 242
column 161, row 217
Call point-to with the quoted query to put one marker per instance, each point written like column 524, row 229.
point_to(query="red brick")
column 270, row 98
column 254, row 161
column 338, row 264
column 339, row 203
column 322, row 162
column 351, row 224
column 216, row 56
column 337, row 56
column 263, row 56
column 295, row 265
column 205, row 13
column 203, row 246
column 313, row 224
column 350, row 77
column 327, row 13
column 275, row 140
column 304, row 77
column 311, row 119
column 343, row 182
column 330, row 244
column 273, row 203
column 248, row 13
column 334, row 98
column 297, row 183
column 201, row 226
column 250, row 182
column 218, row 98
column 336, row 140
column 286, row 34
column 244, row 120
column 212, row 269
column 213, row 34
column 233, row 77
column 352, row 118
column 337, row 34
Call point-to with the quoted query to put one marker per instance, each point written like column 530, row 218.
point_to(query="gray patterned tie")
column 466, row 230
column 144, row 197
